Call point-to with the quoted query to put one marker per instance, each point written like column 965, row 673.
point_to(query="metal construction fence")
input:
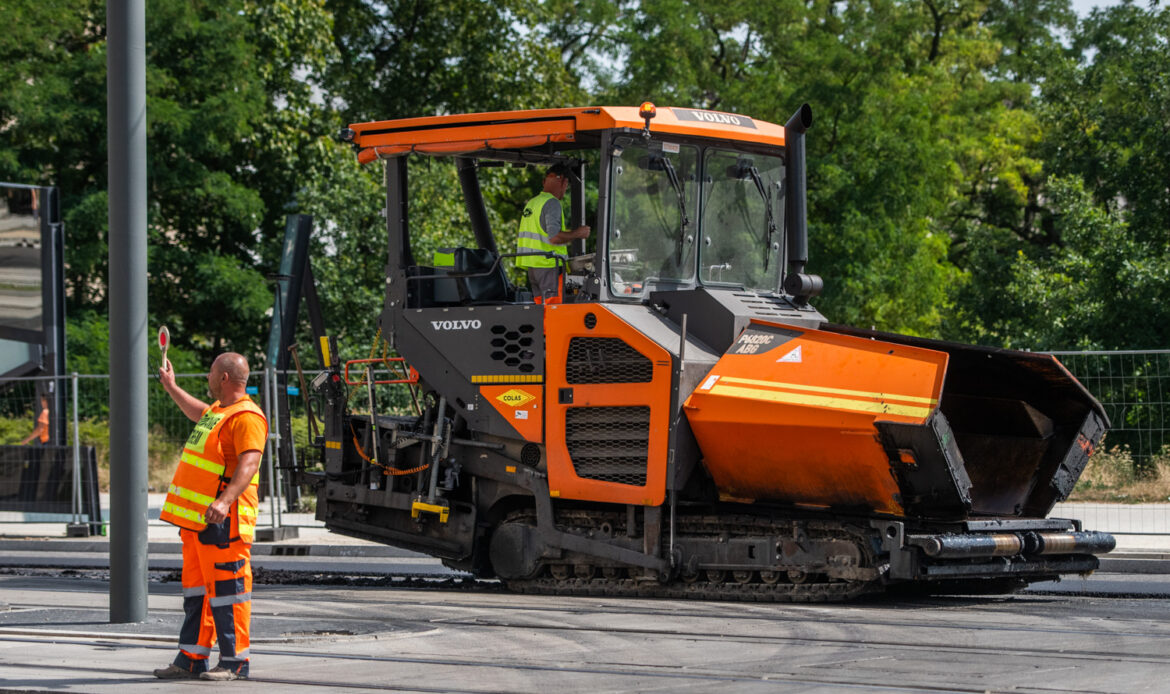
column 87, row 396
column 1131, row 385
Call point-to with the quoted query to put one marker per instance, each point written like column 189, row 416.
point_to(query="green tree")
column 1079, row 263
column 1101, row 287
column 404, row 58
column 916, row 135
column 53, row 111
column 945, row 163
column 1029, row 33
column 1106, row 110
column 230, row 116
column 249, row 159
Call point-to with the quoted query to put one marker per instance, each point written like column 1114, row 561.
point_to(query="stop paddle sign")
column 164, row 341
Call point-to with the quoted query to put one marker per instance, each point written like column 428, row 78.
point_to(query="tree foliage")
column 402, row 58
column 987, row 170
column 1087, row 269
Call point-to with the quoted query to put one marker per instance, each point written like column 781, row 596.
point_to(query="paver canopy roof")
column 473, row 132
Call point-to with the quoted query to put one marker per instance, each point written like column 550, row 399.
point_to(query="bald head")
column 228, row 377
column 234, row 365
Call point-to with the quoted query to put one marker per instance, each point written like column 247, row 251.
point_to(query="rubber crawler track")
column 817, row 588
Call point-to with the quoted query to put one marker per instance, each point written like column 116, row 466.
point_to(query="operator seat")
column 480, row 277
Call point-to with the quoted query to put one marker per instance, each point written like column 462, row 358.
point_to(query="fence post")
column 268, row 448
column 274, row 469
column 76, row 458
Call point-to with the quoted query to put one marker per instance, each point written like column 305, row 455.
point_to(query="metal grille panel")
column 514, row 346
column 609, row 444
column 606, row 360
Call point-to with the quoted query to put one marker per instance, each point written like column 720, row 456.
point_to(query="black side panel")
column 1092, row 430
column 372, row 515
column 717, row 316
column 458, row 349
column 929, row 468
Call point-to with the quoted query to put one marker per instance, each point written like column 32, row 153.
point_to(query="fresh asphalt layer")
column 1109, row 632
column 55, row 636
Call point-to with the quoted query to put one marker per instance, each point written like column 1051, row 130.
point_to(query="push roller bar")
column 1012, row 544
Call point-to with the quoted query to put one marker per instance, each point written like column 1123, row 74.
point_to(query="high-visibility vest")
column 531, row 237
column 203, row 472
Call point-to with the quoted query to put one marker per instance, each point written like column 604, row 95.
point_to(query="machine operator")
column 213, row 499
column 543, row 230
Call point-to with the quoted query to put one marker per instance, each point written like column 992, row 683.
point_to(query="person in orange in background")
column 213, row 499
column 31, row 484
column 41, row 431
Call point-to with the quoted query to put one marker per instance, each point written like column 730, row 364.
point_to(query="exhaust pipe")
column 802, row 287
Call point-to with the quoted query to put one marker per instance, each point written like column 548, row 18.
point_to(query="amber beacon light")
column 647, row 111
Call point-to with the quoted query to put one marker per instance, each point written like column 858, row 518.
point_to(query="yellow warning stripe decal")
column 824, row 389
column 510, row 378
column 326, row 357
column 820, row 401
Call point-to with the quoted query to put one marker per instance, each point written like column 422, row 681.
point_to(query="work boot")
column 223, row 674
column 174, row 672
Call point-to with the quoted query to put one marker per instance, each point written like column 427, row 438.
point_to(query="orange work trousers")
column 217, row 600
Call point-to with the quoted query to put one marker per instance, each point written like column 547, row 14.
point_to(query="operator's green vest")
column 532, row 238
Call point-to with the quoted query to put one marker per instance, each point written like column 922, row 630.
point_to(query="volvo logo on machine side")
column 456, row 324
column 515, row 397
column 714, row 117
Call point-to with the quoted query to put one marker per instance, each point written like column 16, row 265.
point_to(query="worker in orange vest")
column 41, row 431
column 213, row 499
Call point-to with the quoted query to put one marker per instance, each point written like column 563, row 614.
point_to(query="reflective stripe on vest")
column 201, row 474
column 184, row 513
column 245, row 520
column 202, row 463
column 531, row 237
column 191, row 495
